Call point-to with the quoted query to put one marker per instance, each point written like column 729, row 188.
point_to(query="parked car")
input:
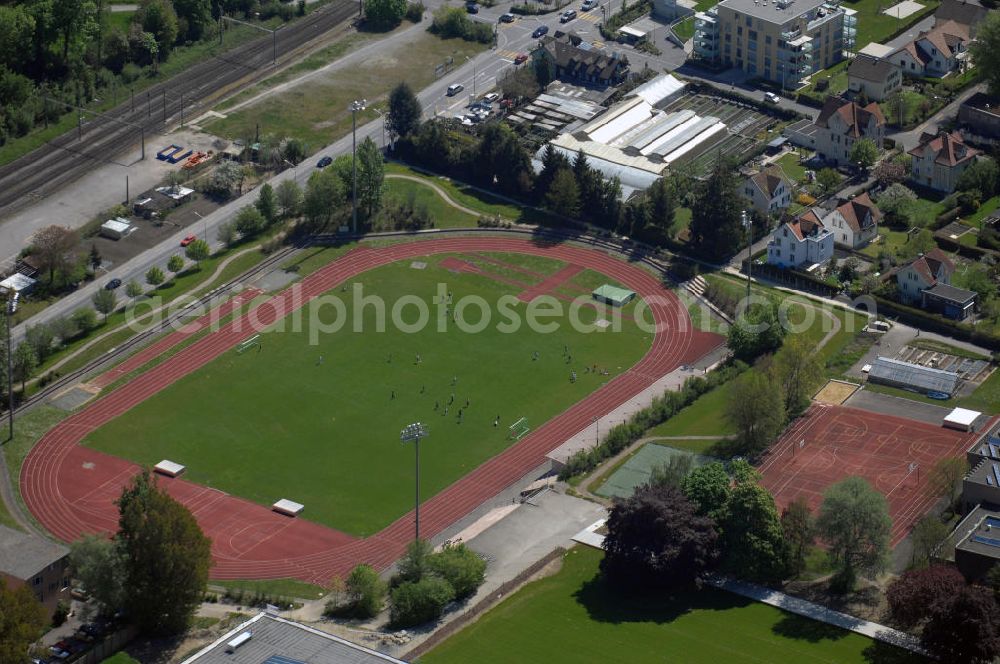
column 567, row 16
column 188, row 240
column 539, row 31
column 521, row 58
column 454, row 89
column 324, row 162
column 472, row 8
column 113, row 284
column 507, row 18
column 771, row 98
column 491, row 97
column 588, row 5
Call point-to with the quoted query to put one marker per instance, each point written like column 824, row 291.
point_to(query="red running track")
column 841, row 441
column 70, row 489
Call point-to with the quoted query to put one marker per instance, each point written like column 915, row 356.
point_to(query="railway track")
column 63, row 159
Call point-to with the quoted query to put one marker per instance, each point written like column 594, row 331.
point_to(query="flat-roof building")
column 977, row 538
column 782, row 41
column 274, row 640
column 35, row 562
column 909, row 376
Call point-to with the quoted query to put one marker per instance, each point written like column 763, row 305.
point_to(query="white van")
column 455, row 89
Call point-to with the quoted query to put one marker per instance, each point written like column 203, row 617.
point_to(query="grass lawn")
column 27, row 430
column 837, row 75
column 701, row 418
column 685, row 29
column 309, row 430
column 874, row 26
column 574, row 617
column 120, row 658
column 682, row 219
column 321, row 103
column 273, row 587
column 988, row 207
column 986, row 397
column 443, row 214
column 120, row 20
column 924, row 211
column 792, row 166
column 890, row 240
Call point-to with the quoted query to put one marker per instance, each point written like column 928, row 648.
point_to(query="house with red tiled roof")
column 855, row 222
column 841, row 123
column 800, row 242
column 936, row 52
column 768, row 190
column 569, row 58
column 940, row 159
column 923, row 272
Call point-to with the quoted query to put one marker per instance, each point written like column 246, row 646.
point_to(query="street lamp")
column 749, row 226
column 415, row 432
column 381, row 115
column 355, row 107
column 10, row 309
column 473, row 75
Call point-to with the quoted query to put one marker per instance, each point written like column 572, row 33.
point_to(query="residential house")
column 939, row 160
column 963, row 12
column 923, row 272
column 925, row 281
column 980, row 115
column 782, row 41
column 841, row 123
column 35, row 562
column 768, row 190
column 855, row 222
column 569, row 58
column 936, row 52
column 875, row 78
column 802, row 241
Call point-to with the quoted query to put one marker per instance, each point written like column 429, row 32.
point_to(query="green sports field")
column 319, row 424
column 573, row 617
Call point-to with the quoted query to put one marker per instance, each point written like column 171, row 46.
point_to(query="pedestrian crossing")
column 590, row 17
column 507, row 54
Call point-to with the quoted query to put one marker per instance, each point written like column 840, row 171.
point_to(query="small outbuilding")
column 288, row 507
column 169, row 468
column 962, row 419
column 616, row 297
column 17, row 283
column 915, row 377
column 116, row 228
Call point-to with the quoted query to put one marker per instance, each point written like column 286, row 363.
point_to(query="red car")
column 521, row 58
column 188, row 240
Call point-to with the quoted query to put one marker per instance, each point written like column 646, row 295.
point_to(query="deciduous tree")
column 197, row 251
column 404, row 110
column 756, row 409
column 105, row 302
column 22, row 620
column 418, row 602
column 384, row 14
column 324, row 196
column 371, row 177
column 53, row 246
column 797, row 370
column 716, row 215
column 154, row 276
column 563, row 196
column 707, row 487
column 800, row 533
column 752, row 541
column 366, row 592
column 864, row 153
column 757, row 331
column 289, row 198
column 854, row 522
column 98, row 564
column 267, row 203
column 926, row 535
column 167, row 557
column 985, row 51
column 133, row 288
column 965, row 629
column 945, row 478
column 461, row 567
column 175, row 263
column 914, row 595
column 249, row 221
column 656, row 539
column 25, row 361
column 828, row 180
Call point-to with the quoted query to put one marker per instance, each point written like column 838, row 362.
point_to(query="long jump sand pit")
column 836, row 392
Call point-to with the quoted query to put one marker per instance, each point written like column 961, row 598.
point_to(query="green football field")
column 319, row 424
column 573, row 617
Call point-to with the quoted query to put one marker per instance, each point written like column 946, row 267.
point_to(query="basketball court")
column 829, row 443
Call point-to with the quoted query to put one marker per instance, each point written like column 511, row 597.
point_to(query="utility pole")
column 10, row 308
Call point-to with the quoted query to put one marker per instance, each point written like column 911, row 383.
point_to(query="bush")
column 60, row 614
column 461, row 567
column 415, row 603
column 415, row 11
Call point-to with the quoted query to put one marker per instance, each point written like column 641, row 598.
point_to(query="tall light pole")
column 355, row 107
column 415, row 432
column 749, row 226
column 473, row 75
column 381, row 115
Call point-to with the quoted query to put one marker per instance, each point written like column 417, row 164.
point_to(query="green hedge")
column 936, row 323
column 662, row 409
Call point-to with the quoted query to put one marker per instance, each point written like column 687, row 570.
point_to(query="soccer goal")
column 248, row 344
column 519, row 429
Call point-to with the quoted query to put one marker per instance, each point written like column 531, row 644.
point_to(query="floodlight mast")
column 415, row 432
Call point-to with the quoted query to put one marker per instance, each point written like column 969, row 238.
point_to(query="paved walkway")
column 821, row 613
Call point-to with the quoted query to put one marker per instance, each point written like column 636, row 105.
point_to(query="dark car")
column 539, row 31
column 324, row 162
column 472, row 8
column 113, row 284
column 507, row 18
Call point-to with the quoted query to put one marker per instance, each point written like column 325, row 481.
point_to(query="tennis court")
column 829, row 443
column 637, row 470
